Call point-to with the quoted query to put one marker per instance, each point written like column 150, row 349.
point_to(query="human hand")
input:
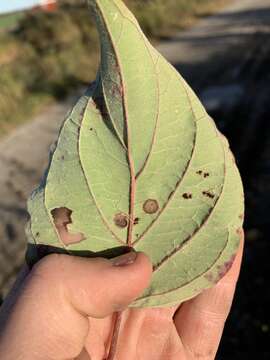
column 65, row 305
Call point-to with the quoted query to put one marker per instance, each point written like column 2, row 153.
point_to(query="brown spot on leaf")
column 62, row 218
column 209, row 277
column 241, row 216
column 151, row 206
column 204, row 174
column 239, row 231
column 187, row 196
column 136, row 221
column 223, row 269
column 208, row 194
column 121, row 220
column 116, row 90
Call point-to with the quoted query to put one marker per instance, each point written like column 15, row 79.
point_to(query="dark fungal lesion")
column 204, row 174
column 210, row 277
column 224, row 268
column 121, row 220
column 187, row 196
column 151, row 206
column 239, row 231
column 208, row 194
column 116, row 90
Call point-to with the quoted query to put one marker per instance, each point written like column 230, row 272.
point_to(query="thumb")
column 97, row 287
column 59, row 295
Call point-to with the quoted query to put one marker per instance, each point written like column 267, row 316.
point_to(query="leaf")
column 140, row 163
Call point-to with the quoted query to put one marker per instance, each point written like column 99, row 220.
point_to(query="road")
column 217, row 40
column 217, row 46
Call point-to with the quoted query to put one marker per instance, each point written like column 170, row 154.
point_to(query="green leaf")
column 140, row 163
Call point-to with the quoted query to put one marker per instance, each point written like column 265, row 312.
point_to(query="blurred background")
column 49, row 54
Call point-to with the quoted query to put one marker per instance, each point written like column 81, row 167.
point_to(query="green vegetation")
column 9, row 21
column 50, row 54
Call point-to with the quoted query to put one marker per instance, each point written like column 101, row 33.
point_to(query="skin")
column 64, row 309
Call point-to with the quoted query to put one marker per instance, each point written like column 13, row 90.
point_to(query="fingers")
column 200, row 321
column 50, row 318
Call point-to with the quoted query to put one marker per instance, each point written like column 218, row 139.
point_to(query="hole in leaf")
column 62, row 218
column 151, row 206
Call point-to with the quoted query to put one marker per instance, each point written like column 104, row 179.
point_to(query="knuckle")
column 212, row 316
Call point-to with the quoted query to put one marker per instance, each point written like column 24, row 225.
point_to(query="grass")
column 9, row 21
column 50, row 54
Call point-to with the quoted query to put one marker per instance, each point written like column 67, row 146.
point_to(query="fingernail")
column 125, row 259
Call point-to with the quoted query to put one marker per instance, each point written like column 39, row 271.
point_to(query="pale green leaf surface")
column 139, row 134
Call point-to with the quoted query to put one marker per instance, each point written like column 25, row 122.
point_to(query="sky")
column 11, row 5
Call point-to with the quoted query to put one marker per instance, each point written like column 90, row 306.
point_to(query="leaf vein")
column 89, row 187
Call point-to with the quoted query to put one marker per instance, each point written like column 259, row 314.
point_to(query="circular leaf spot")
column 121, row 220
column 151, row 206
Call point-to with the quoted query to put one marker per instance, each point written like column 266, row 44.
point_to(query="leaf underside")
column 140, row 163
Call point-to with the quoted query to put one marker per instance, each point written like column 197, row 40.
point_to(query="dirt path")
column 203, row 55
